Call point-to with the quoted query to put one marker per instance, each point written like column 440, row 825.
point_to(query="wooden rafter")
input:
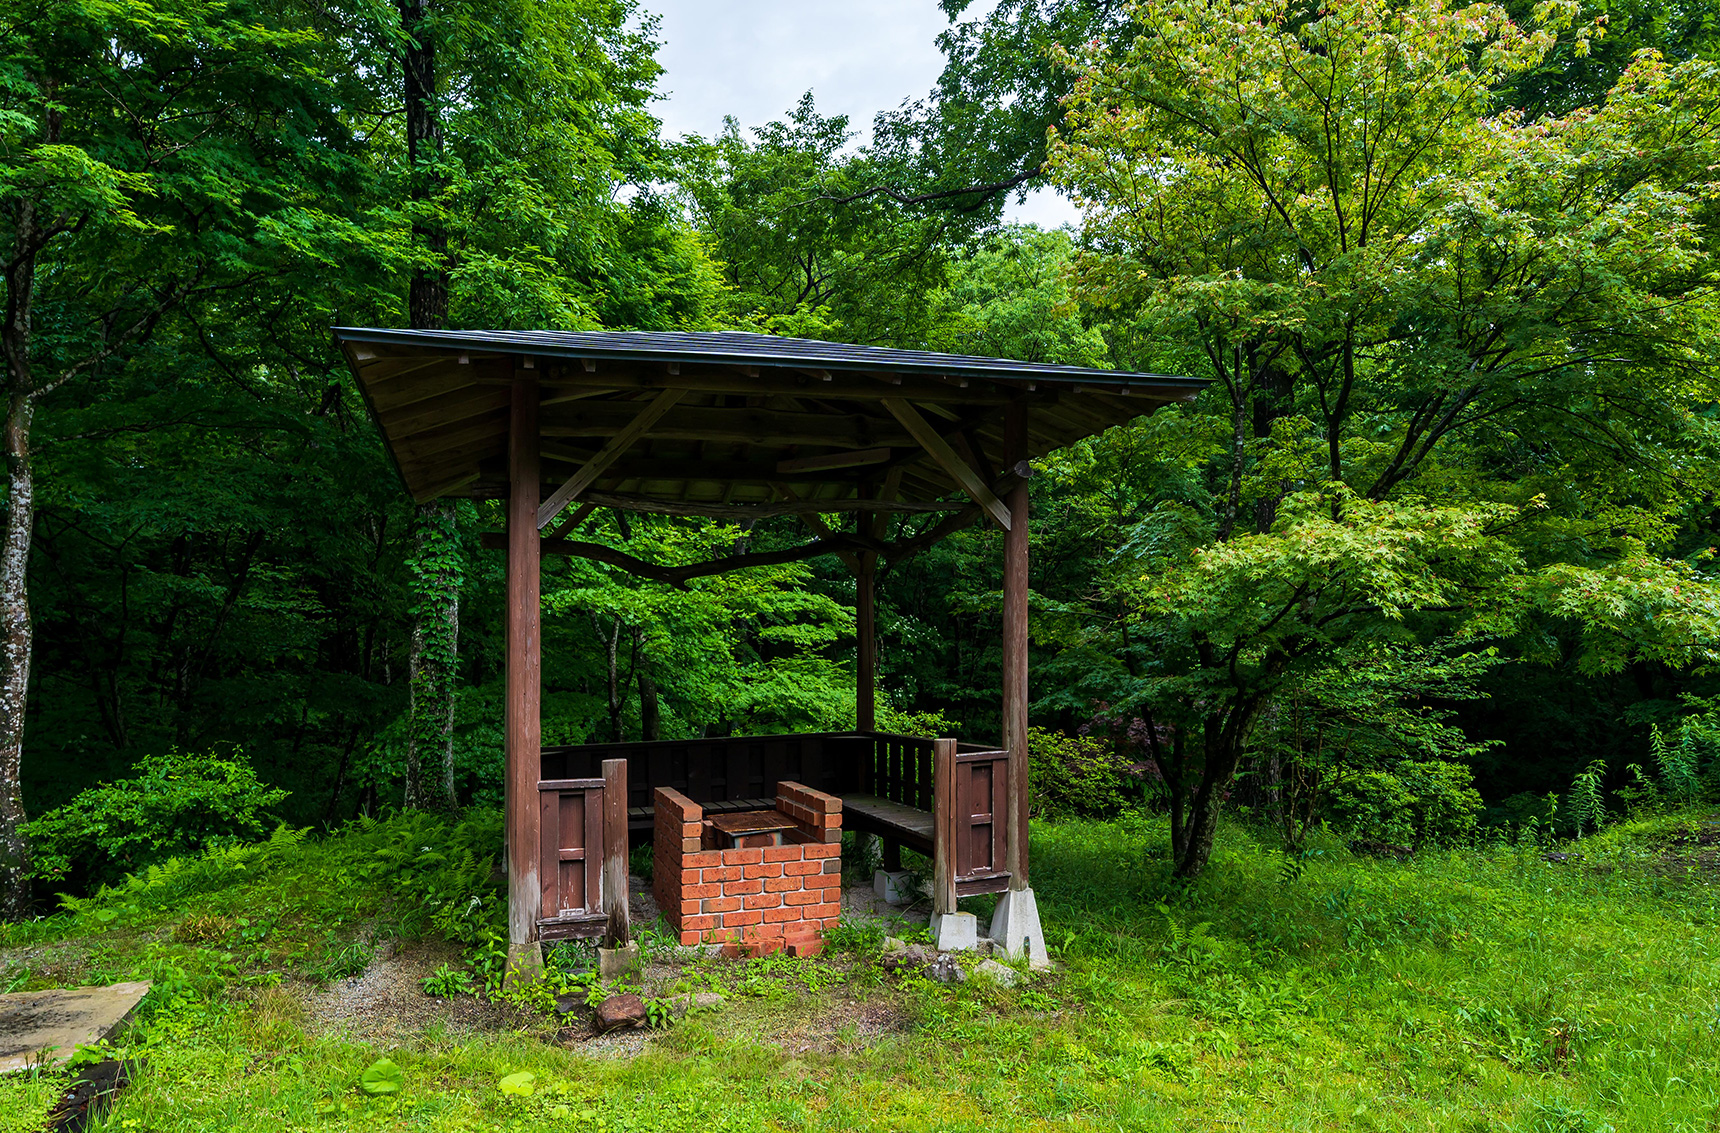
column 948, row 459
column 618, row 444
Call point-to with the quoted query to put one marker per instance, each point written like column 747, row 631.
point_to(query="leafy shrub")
column 1075, row 776
column 1587, row 806
column 1414, row 803
column 178, row 804
column 932, row 725
column 1681, row 760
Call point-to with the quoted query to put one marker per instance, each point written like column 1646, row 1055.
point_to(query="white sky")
column 755, row 58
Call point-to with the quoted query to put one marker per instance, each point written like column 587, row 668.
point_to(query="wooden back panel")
column 570, row 868
column 981, row 815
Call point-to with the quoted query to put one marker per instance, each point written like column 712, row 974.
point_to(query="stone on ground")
column 619, row 1011
column 696, row 1001
column 46, row 1027
column 1000, row 974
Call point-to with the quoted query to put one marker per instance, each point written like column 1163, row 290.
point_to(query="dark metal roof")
column 755, row 419
column 742, row 348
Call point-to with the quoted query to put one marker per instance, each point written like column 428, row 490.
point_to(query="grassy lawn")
column 1471, row 990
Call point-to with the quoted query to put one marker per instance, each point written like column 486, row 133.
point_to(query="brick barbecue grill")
column 760, row 897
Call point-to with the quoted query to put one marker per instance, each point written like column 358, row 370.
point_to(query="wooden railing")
column 970, row 805
column 720, row 769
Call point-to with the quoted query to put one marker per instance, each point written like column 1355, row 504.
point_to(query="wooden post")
column 523, row 725
column 943, row 828
column 1015, row 644
column 619, row 930
column 866, row 629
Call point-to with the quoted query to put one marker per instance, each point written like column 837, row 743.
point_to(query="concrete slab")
column 45, row 1028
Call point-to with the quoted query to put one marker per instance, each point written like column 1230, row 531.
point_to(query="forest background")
column 1447, row 509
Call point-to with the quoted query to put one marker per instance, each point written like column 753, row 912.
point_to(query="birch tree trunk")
column 15, row 643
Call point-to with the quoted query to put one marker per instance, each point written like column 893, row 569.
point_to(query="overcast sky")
column 755, row 58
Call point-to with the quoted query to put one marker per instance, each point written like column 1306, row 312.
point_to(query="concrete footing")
column 894, row 888
column 619, row 964
column 1015, row 927
column 525, row 963
column 955, row 932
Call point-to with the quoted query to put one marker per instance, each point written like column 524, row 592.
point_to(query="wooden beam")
column 680, row 575
column 834, row 460
column 523, row 727
column 746, row 512
column 571, row 524
column 740, row 426
column 947, row 458
column 866, row 645
column 1015, row 580
column 842, row 386
column 618, row 444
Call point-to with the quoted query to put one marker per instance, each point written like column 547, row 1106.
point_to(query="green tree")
column 805, row 249
column 1454, row 353
column 753, row 650
column 158, row 157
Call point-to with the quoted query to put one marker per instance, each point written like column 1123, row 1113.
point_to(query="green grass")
column 1469, row 990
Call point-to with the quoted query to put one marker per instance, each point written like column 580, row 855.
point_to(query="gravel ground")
column 387, row 1002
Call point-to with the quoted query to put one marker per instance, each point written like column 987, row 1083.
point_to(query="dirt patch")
column 845, row 1026
column 387, row 1001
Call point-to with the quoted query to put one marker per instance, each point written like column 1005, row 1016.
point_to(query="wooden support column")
column 523, row 724
column 1015, row 644
column 619, row 929
column 866, row 613
column 866, row 629
column 943, row 828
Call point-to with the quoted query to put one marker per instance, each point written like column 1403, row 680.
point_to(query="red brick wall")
column 762, row 897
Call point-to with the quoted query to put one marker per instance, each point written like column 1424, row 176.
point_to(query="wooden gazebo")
column 741, row 427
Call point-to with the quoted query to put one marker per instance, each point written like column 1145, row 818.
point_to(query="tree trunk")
column 16, row 641
column 433, row 662
column 1223, row 743
column 650, row 708
column 427, row 300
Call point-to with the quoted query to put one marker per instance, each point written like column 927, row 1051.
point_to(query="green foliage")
column 382, row 1077
column 177, row 803
column 1587, row 804
column 1415, row 803
column 931, row 725
column 1011, row 298
column 1682, row 765
column 1388, row 357
column 1075, row 776
column 749, row 649
column 798, row 258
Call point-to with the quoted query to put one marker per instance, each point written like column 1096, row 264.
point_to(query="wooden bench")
column 891, row 821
